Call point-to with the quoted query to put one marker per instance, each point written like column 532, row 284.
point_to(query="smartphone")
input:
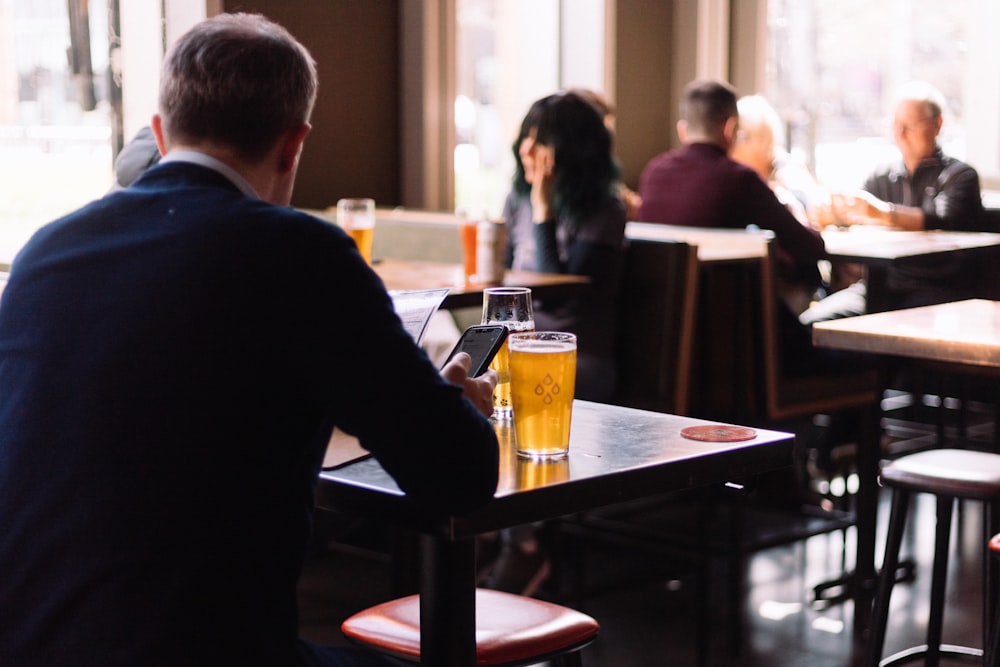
column 481, row 342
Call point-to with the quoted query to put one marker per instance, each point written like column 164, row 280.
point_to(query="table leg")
column 447, row 602
column 869, row 453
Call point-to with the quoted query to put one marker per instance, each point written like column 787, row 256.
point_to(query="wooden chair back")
column 793, row 397
column 657, row 318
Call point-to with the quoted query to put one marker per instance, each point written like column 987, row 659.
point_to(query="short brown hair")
column 707, row 105
column 239, row 80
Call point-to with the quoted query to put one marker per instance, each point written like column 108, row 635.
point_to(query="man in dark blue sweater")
column 173, row 358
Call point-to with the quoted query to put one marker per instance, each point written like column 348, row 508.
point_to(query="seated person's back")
column 174, row 357
column 700, row 185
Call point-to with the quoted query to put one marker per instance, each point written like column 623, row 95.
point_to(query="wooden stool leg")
column 942, row 539
column 880, row 614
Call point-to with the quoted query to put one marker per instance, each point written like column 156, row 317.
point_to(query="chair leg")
column 991, row 597
column 573, row 659
column 880, row 613
column 945, row 506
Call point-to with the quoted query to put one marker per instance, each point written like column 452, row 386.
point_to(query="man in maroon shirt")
column 699, row 185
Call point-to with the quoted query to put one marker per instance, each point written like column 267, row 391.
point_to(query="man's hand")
column 478, row 390
column 861, row 208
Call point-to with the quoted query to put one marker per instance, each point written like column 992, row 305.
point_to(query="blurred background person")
column 757, row 145
column 700, row 185
column 924, row 190
column 136, row 156
column 604, row 107
column 564, row 215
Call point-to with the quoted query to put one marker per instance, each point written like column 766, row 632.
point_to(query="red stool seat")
column 510, row 629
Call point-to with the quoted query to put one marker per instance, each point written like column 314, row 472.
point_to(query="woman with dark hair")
column 564, row 215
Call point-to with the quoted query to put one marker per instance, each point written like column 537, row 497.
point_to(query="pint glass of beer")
column 511, row 307
column 543, row 378
column 357, row 218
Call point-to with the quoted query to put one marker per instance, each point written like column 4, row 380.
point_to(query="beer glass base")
column 545, row 455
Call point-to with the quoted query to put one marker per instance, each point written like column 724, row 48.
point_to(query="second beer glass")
column 511, row 307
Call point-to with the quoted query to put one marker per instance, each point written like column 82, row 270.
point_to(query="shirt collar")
column 204, row 160
column 935, row 159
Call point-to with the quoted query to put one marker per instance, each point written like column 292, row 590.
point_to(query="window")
column 508, row 54
column 55, row 128
column 833, row 67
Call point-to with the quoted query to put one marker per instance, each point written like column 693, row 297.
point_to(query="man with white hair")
column 924, row 190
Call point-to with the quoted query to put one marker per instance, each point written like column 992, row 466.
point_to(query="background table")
column 616, row 454
column 715, row 245
column 964, row 335
column 406, row 274
column 879, row 248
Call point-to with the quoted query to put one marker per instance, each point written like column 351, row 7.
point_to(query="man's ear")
column 292, row 147
column 157, row 126
column 729, row 131
column 682, row 131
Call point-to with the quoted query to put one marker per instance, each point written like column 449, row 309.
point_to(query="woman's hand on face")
column 543, row 183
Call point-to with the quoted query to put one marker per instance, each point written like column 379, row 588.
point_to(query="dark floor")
column 648, row 608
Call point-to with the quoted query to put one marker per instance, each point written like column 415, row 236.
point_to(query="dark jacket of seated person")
column 699, row 185
column 173, row 359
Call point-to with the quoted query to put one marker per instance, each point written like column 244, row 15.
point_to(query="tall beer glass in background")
column 467, row 234
column 357, row 218
column 543, row 382
column 511, row 307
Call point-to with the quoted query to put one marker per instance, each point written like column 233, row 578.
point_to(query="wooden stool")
column 510, row 630
column 949, row 474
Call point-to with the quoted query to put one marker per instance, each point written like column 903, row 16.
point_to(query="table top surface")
column 882, row 244
column 405, row 274
column 714, row 245
column 615, row 454
column 962, row 332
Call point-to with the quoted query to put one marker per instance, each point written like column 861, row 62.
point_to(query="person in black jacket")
column 173, row 359
column 925, row 189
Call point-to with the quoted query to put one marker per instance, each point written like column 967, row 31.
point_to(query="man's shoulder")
column 952, row 166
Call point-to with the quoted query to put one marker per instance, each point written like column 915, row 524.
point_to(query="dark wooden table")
column 616, row 454
column 964, row 336
column 879, row 248
column 406, row 274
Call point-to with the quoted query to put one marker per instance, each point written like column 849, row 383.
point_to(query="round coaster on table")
column 718, row 433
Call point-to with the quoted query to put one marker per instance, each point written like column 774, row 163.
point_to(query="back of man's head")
column 706, row 107
column 238, row 80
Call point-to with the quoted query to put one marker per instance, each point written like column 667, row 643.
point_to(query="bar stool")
column 511, row 630
column 994, row 644
column 949, row 474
